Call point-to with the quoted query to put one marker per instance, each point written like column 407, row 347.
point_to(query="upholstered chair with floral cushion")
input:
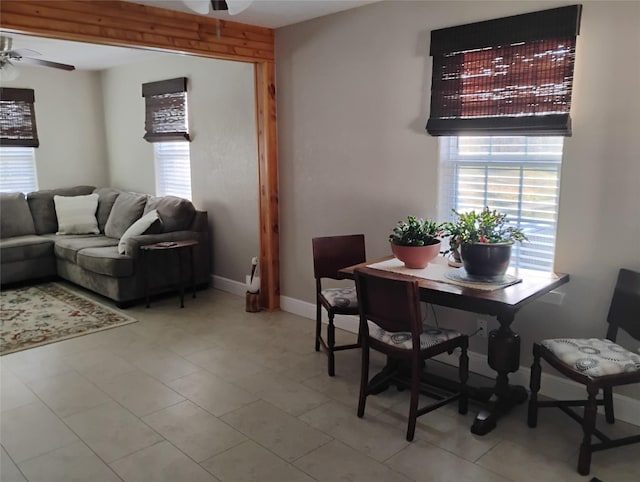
column 596, row 363
column 330, row 255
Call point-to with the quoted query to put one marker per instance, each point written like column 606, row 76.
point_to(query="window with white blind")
column 18, row 169
column 173, row 169
column 517, row 175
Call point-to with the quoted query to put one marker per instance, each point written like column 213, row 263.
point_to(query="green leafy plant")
column 416, row 232
column 486, row 226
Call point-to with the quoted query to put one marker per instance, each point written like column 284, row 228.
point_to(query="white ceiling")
column 82, row 55
column 266, row 13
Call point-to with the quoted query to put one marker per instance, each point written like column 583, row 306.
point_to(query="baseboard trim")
column 228, row 285
column 627, row 409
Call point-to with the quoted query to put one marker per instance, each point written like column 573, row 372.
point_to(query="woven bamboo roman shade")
column 508, row 76
column 18, row 118
column 166, row 110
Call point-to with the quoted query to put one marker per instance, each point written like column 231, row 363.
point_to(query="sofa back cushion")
column 175, row 213
column 106, row 197
column 15, row 217
column 43, row 210
column 126, row 210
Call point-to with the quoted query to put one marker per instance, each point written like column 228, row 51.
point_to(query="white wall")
column 68, row 108
column 224, row 170
column 353, row 100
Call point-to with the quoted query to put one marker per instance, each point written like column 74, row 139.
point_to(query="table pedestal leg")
column 504, row 358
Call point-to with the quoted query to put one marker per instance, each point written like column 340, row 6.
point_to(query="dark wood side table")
column 178, row 247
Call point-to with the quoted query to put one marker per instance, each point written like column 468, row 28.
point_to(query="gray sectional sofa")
column 31, row 249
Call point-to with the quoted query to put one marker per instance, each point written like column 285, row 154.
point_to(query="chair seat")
column 593, row 357
column 342, row 298
column 430, row 336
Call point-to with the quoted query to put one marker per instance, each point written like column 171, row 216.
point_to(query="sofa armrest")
column 132, row 246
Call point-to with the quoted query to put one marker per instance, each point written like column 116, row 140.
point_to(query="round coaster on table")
column 461, row 275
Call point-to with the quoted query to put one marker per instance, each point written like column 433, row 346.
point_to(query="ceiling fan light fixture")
column 8, row 71
column 203, row 7
column 199, row 6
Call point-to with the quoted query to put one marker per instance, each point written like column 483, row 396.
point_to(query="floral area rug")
column 36, row 315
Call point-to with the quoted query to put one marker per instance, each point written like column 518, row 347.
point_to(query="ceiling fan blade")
column 23, row 53
column 46, row 63
column 198, row 6
column 237, row 6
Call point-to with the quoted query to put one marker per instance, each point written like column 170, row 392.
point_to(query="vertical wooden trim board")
column 124, row 24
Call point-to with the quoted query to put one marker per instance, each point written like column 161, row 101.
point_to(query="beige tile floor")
column 211, row 392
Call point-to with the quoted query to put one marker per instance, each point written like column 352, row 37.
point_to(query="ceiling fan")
column 203, row 7
column 9, row 57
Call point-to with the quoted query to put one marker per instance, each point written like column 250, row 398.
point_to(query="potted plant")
column 484, row 240
column 454, row 233
column 415, row 241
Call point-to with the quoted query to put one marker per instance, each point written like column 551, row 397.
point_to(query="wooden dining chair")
column 391, row 323
column 330, row 255
column 599, row 364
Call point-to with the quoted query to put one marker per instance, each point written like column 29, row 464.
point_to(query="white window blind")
column 519, row 176
column 18, row 169
column 173, row 169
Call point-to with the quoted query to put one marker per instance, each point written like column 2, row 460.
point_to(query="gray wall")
column 70, row 126
column 224, row 170
column 353, row 99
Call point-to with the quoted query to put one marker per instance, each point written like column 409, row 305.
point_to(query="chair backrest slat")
column 332, row 253
column 624, row 310
column 391, row 302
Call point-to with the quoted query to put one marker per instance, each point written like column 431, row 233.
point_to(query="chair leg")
column 463, row 371
column 588, row 426
column 331, row 343
column 318, row 325
column 364, row 379
column 608, row 405
column 416, row 368
column 534, row 385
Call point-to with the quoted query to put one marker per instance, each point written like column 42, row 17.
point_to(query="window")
column 17, row 169
column 173, row 169
column 500, row 85
column 517, row 175
column 18, row 138
column 167, row 127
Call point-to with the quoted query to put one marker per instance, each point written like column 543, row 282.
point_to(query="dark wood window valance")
column 509, row 76
column 166, row 110
column 18, row 118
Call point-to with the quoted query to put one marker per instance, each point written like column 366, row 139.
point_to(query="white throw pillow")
column 77, row 214
column 137, row 228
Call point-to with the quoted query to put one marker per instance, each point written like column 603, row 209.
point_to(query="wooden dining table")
column 503, row 343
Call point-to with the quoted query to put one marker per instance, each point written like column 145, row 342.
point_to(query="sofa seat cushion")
column 106, row 261
column 67, row 247
column 16, row 218
column 21, row 248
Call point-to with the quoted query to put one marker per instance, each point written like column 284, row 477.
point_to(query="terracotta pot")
column 486, row 259
column 416, row 257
